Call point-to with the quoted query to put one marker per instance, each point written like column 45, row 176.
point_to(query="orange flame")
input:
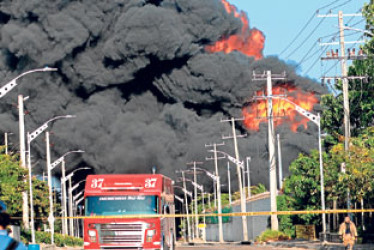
column 283, row 111
column 248, row 41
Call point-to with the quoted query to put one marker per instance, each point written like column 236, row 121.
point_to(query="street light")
column 3, row 91
column 186, row 192
column 361, row 30
column 63, row 187
column 13, row 83
column 230, row 158
column 70, row 190
column 30, row 137
column 316, row 119
column 201, row 188
column 249, row 177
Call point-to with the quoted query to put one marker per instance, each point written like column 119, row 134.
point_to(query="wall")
column 232, row 231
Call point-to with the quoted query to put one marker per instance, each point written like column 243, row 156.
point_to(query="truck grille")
column 121, row 233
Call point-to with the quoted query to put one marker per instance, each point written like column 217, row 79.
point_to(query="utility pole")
column 280, row 166
column 249, row 177
column 51, row 216
column 344, row 76
column 64, row 205
column 234, row 136
column 343, row 62
column 215, row 158
column 6, row 142
column 273, row 173
column 194, row 163
column 229, row 180
column 215, row 192
column 186, row 202
column 22, row 145
column 271, row 140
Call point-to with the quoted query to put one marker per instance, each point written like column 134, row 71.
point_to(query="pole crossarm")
column 348, row 57
column 263, row 76
column 344, row 77
column 338, row 43
column 336, row 15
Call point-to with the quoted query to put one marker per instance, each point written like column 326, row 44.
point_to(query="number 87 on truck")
column 126, row 212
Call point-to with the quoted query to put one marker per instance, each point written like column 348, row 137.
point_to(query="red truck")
column 132, row 194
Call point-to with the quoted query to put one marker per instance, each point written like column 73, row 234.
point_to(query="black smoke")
column 136, row 74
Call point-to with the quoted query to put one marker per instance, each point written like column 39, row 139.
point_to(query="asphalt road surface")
column 241, row 247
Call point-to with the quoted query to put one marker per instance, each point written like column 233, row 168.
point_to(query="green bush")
column 45, row 237
column 270, row 235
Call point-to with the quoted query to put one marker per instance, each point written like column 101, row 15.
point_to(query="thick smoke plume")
column 138, row 76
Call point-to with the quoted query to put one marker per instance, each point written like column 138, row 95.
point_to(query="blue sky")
column 281, row 20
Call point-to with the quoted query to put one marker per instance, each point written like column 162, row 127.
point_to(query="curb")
column 318, row 246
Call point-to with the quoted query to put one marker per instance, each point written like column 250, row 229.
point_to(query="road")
column 234, row 247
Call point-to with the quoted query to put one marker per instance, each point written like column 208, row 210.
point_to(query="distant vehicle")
column 133, row 195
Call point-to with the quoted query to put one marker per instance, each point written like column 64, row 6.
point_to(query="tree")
column 302, row 187
column 12, row 184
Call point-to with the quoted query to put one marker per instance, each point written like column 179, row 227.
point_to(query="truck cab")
column 126, row 212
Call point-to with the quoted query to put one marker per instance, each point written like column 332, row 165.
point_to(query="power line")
column 302, row 43
column 340, row 5
column 328, row 5
column 298, row 34
column 309, row 21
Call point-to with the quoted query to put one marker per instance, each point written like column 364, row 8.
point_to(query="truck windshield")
column 121, row 205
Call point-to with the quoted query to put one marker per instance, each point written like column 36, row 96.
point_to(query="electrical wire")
column 340, row 5
column 307, row 38
column 306, row 25
column 297, row 35
column 350, row 20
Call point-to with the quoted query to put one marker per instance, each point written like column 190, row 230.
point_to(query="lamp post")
column 30, row 137
column 3, row 91
column 70, row 190
column 63, row 187
column 361, row 30
column 201, row 188
column 249, row 177
column 180, row 199
column 229, row 181
column 214, row 178
column 186, row 192
column 13, row 83
column 316, row 119
column 76, row 213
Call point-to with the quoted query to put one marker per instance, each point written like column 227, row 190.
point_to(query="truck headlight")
column 150, row 234
column 92, row 235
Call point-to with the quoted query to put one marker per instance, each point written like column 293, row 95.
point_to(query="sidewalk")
column 317, row 245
